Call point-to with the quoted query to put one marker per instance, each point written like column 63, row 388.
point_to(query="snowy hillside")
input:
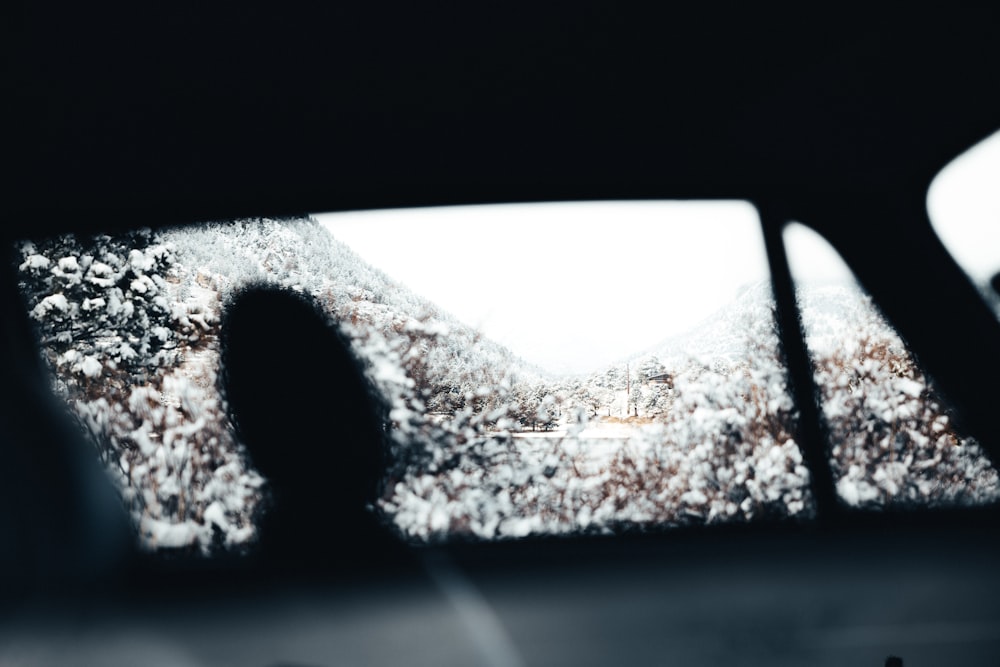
column 130, row 324
column 713, row 443
column 698, row 429
column 893, row 439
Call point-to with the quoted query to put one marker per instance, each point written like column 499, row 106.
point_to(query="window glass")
column 555, row 368
column 964, row 207
column 892, row 439
column 603, row 366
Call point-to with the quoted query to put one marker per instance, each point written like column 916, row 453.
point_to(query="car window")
column 625, row 371
column 892, row 438
column 546, row 369
column 963, row 203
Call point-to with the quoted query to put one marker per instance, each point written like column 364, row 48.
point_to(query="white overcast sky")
column 575, row 286
column 568, row 286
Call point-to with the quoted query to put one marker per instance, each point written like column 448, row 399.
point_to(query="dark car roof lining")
column 839, row 119
column 217, row 113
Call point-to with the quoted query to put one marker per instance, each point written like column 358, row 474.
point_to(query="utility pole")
column 628, row 388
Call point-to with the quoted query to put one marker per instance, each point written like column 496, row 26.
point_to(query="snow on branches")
column 701, row 429
column 892, row 438
column 135, row 361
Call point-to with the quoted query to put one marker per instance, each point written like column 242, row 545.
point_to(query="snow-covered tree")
column 103, row 301
column 892, row 438
column 650, row 367
column 464, row 460
column 121, row 338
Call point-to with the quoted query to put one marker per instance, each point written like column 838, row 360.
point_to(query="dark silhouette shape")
column 995, row 283
column 62, row 526
column 313, row 426
column 893, row 661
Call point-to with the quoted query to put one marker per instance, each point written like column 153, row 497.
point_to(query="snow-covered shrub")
column 891, row 436
column 482, row 443
column 723, row 451
column 136, row 361
column 723, row 446
column 101, row 300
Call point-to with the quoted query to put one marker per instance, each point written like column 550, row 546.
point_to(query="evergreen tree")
column 102, row 301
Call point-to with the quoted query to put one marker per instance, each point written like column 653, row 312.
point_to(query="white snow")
column 163, row 534
column 911, row 388
column 215, row 514
column 69, row 265
column 93, row 304
column 91, row 367
column 483, row 443
column 53, row 302
column 35, row 262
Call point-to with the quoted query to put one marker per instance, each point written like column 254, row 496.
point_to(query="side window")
column 546, row 369
column 577, row 367
column 892, row 440
column 964, row 207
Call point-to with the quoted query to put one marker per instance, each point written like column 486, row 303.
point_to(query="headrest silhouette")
column 310, row 420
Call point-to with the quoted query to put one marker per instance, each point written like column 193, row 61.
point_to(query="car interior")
column 832, row 116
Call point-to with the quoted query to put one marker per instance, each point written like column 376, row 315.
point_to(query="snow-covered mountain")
column 718, row 442
column 130, row 325
column 483, row 444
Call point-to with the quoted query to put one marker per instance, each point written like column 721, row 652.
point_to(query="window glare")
column 964, row 207
column 567, row 285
